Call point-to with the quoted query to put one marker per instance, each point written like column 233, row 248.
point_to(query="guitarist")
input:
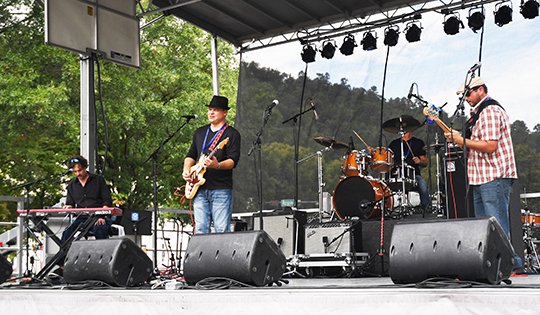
column 491, row 166
column 213, row 200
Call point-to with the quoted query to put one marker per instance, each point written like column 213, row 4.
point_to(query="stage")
column 300, row 296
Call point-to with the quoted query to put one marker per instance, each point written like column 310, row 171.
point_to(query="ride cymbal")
column 404, row 122
column 330, row 142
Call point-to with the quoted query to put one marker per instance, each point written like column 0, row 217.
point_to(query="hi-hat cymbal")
column 404, row 122
column 330, row 142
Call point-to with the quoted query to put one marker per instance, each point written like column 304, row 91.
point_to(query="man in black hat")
column 213, row 200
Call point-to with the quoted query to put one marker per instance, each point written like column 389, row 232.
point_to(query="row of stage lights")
column 413, row 30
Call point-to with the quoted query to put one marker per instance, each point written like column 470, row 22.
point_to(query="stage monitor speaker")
column 116, row 261
column 6, row 269
column 467, row 249
column 249, row 256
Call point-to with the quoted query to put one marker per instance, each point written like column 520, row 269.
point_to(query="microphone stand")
column 460, row 112
column 256, row 145
column 154, row 157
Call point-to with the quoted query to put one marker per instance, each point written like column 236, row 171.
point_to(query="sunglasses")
column 74, row 161
column 468, row 93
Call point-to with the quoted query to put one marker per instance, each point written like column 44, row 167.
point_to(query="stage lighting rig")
column 503, row 13
column 328, row 49
column 369, row 41
column 452, row 23
column 308, row 53
column 413, row 31
column 347, row 48
column 391, row 36
column 529, row 9
column 476, row 19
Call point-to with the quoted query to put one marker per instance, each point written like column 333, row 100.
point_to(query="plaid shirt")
column 493, row 124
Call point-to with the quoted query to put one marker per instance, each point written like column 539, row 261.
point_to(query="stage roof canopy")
column 254, row 24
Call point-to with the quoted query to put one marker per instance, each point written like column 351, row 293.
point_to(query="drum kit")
column 359, row 194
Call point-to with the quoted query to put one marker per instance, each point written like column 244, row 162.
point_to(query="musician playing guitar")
column 212, row 202
column 87, row 190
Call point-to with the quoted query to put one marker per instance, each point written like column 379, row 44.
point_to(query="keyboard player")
column 87, row 190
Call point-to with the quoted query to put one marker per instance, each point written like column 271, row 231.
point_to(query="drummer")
column 414, row 150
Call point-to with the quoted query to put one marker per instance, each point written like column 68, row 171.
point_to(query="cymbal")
column 436, row 146
column 405, row 122
column 330, row 142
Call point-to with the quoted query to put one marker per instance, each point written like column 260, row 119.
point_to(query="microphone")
column 410, row 92
column 188, row 117
column 314, row 111
column 365, row 204
column 271, row 106
column 475, row 67
column 68, row 172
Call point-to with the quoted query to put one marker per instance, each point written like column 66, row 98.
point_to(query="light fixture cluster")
column 413, row 29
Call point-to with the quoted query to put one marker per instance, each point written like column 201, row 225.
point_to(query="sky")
column 438, row 63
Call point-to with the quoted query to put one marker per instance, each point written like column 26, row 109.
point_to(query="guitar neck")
column 441, row 124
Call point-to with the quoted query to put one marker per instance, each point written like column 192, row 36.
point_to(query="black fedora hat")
column 219, row 102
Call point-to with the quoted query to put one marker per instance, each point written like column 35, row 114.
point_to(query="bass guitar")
column 196, row 173
column 432, row 113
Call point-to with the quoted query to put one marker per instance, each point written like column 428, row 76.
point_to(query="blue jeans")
column 492, row 199
column 99, row 231
column 423, row 191
column 212, row 206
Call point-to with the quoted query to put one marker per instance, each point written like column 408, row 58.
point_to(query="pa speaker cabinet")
column 248, row 256
column 6, row 269
column 467, row 249
column 116, row 261
column 334, row 237
column 285, row 229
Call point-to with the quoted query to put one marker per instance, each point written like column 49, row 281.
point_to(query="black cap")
column 219, row 102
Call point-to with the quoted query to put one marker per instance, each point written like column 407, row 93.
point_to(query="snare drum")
column 382, row 160
column 361, row 197
column 395, row 179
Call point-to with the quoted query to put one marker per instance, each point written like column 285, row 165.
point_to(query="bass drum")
column 361, row 197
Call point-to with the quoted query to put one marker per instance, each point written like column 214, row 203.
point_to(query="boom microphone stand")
column 256, row 145
column 154, row 157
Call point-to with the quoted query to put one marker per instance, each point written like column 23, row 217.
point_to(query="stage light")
column 529, row 9
column 476, row 19
column 503, row 13
column 391, row 35
column 412, row 32
column 328, row 49
column 452, row 23
column 308, row 53
column 369, row 42
column 348, row 45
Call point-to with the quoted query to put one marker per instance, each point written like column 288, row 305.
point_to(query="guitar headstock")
column 431, row 111
column 223, row 143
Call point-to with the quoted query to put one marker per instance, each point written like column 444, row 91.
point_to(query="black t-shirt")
column 418, row 148
column 94, row 194
column 216, row 178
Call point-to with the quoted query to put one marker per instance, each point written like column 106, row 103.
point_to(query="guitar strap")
column 217, row 137
column 474, row 118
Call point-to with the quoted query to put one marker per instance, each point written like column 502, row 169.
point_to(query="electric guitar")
column 432, row 113
column 196, row 172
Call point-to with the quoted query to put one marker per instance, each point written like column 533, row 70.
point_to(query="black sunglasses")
column 468, row 93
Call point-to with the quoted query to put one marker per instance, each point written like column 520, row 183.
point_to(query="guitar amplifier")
column 286, row 228
column 333, row 237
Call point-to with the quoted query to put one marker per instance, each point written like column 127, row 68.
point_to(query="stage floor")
column 300, row 296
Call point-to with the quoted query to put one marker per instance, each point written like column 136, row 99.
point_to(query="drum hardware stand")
column 532, row 262
column 403, row 196
column 438, row 176
column 321, row 183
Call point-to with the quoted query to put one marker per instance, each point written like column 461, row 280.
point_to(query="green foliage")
column 39, row 102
